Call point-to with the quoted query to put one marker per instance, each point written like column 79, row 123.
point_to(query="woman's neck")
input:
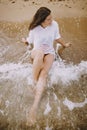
column 43, row 25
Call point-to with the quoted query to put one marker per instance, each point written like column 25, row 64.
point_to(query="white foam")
column 59, row 111
column 71, row 105
column 2, row 112
column 65, row 73
column 58, row 108
column 48, row 109
column 55, row 97
column 48, row 128
column 16, row 72
column 25, row 56
column 3, row 50
column 59, row 73
column 7, row 103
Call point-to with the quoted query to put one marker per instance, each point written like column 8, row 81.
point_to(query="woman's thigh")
column 37, row 53
column 48, row 61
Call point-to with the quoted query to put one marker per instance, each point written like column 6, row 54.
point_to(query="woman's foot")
column 31, row 119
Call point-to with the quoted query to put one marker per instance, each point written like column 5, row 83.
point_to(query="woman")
column 43, row 31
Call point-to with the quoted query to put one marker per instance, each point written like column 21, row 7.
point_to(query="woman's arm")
column 64, row 45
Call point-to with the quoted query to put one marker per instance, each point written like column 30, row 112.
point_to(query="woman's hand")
column 61, row 48
column 64, row 45
column 24, row 41
column 67, row 45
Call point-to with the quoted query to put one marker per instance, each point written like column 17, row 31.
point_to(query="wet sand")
column 20, row 10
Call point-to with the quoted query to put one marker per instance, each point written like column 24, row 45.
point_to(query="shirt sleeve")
column 57, row 33
column 30, row 37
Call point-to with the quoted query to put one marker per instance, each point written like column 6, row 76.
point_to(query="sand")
column 21, row 10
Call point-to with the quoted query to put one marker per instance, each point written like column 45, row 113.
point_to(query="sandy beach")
column 20, row 10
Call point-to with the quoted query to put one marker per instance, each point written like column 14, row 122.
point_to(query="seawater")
column 64, row 103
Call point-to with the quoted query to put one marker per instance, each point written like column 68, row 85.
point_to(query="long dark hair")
column 39, row 17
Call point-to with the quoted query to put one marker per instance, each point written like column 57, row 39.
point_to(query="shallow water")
column 64, row 103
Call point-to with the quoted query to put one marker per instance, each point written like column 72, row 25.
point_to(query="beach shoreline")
column 19, row 10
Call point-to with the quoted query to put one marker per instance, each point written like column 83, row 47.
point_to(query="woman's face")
column 48, row 20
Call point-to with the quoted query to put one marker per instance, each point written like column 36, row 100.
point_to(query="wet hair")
column 39, row 17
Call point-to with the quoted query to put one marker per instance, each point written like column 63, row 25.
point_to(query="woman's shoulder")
column 36, row 29
column 54, row 23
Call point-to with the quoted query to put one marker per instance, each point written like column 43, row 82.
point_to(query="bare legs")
column 41, row 66
column 37, row 57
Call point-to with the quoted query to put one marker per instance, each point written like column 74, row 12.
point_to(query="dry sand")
column 21, row 10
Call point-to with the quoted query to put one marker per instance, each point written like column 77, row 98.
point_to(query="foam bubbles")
column 48, row 109
column 64, row 74
column 60, row 72
column 71, row 105
column 16, row 72
column 48, row 128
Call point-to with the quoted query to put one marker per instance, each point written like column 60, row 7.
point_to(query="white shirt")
column 43, row 38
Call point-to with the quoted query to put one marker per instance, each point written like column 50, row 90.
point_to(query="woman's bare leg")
column 37, row 56
column 48, row 60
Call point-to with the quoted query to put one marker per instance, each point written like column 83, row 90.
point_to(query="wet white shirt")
column 43, row 38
